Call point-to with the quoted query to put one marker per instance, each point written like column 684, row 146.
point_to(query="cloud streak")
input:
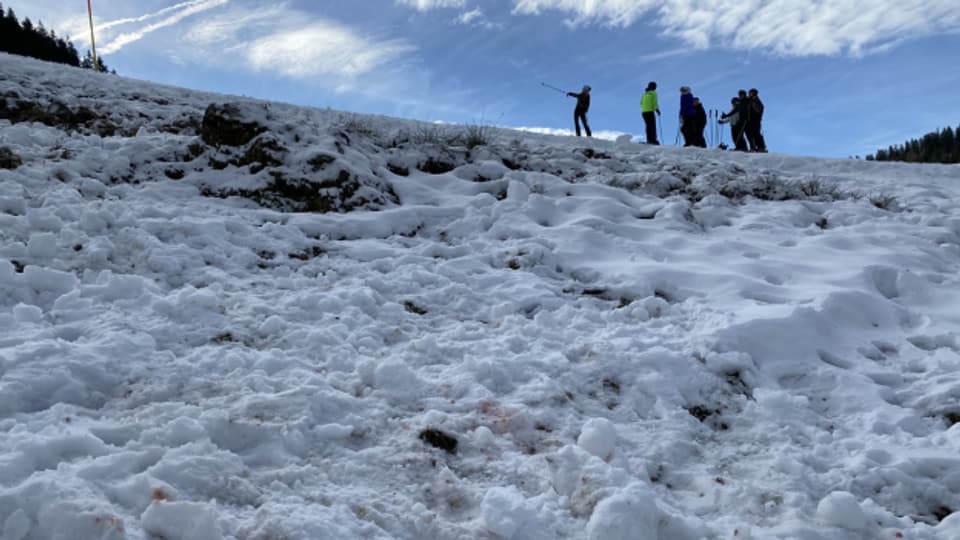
column 784, row 27
column 425, row 5
column 180, row 12
column 147, row 17
column 804, row 28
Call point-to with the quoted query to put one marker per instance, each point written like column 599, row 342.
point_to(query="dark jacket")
column 732, row 117
column 755, row 107
column 583, row 100
column 686, row 105
column 699, row 117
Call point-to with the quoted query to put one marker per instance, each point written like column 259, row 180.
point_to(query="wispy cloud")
column 788, row 27
column 322, row 48
column 663, row 55
column 614, row 12
column 176, row 7
column 179, row 12
column 424, row 5
column 290, row 42
column 476, row 17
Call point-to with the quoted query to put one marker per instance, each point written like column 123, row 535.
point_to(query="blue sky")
column 838, row 77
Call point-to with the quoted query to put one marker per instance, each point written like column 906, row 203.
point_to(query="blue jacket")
column 686, row 105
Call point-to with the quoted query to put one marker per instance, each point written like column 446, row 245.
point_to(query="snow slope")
column 364, row 327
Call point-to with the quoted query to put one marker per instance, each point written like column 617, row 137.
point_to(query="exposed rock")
column 439, row 439
column 231, row 124
column 264, row 151
column 436, row 166
column 55, row 114
column 8, row 159
column 320, row 161
column 342, row 192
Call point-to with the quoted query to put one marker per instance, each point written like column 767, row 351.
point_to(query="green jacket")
column 649, row 102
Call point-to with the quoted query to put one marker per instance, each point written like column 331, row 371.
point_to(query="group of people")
column 745, row 117
column 746, row 121
column 693, row 119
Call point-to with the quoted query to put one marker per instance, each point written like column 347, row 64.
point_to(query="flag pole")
column 93, row 42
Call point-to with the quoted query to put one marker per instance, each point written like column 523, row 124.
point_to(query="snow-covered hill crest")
column 225, row 318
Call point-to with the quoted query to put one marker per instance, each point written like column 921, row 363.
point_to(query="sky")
column 838, row 77
column 613, row 342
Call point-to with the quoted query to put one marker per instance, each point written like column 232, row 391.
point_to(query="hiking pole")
column 711, row 128
column 710, row 120
column 716, row 137
column 709, row 137
column 554, row 88
column 721, row 128
column 716, row 127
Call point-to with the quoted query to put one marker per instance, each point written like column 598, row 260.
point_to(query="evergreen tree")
column 13, row 31
column 7, row 31
column 72, row 54
column 27, row 39
column 942, row 146
column 87, row 63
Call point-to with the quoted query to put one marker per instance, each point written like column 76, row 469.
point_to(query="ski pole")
column 553, row 88
column 716, row 126
column 719, row 132
column 716, row 117
column 716, row 136
column 710, row 120
column 720, row 135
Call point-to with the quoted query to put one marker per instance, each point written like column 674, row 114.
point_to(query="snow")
column 599, row 437
column 624, row 341
column 840, row 509
column 181, row 521
column 631, row 514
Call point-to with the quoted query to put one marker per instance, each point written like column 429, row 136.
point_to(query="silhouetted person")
column 580, row 113
column 650, row 108
column 743, row 117
column 754, row 127
column 733, row 118
column 686, row 116
column 699, row 123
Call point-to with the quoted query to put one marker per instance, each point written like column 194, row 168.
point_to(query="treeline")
column 937, row 147
column 26, row 39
